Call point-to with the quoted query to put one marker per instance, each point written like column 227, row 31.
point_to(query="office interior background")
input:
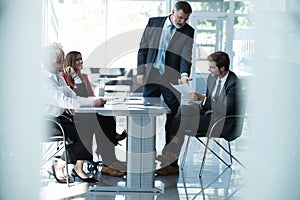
column 261, row 37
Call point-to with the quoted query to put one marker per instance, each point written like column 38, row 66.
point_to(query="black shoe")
column 88, row 180
column 92, row 166
column 62, row 180
column 122, row 136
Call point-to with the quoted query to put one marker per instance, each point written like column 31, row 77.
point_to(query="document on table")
column 125, row 101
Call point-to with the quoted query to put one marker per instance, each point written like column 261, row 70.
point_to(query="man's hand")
column 70, row 112
column 140, row 79
column 194, row 96
column 99, row 102
column 184, row 79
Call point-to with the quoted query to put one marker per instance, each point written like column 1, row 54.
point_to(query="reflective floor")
column 218, row 181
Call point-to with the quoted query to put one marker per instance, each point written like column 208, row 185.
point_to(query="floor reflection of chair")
column 184, row 185
column 211, row 185
column 170, row 187
column 222, row 181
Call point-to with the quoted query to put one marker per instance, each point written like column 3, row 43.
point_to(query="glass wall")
column 87, row 25
column 108, row 32
column 226, row 26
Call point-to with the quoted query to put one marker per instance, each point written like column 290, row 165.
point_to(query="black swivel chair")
column 228, row 128
column 56, row 142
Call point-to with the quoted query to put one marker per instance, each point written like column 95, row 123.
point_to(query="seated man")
column 222, row 99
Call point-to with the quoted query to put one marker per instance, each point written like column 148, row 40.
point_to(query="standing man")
column 165, row 56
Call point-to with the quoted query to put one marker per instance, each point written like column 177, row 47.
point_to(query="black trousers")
column 104, row 128
column 76, row 149
column 188, row 120
column 158, row 85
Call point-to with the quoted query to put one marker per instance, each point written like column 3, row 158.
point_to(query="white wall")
column 20, row 40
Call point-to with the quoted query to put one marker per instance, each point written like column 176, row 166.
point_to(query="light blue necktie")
column 161, row 54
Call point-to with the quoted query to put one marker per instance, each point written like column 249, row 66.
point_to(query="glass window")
column 87, row 26
column 208, row 6
column 243, row 45
column 243, row 7
column 108, row 32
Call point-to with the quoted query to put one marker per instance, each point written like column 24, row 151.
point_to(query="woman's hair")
column 71, row 61
column 52, row 55
column 220, row 58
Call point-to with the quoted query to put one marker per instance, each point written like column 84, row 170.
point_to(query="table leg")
column 141, row 154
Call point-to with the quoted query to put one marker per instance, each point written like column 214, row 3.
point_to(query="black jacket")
column 179, row 51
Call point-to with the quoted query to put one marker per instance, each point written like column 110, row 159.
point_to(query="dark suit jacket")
column 179, row 52
column 230, row 102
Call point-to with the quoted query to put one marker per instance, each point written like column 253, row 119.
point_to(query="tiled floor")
column 218, row 181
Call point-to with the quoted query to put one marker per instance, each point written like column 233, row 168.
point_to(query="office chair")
column 228, row 128
column 55, row 138
column 233, row 133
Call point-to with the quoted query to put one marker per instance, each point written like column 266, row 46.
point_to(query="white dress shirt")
column 58, row 96
column 223, row 80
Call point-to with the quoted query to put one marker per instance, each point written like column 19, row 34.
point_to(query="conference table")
column 141, row 116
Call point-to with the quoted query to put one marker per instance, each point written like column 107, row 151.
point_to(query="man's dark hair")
column 184, row 6
column 220, row 58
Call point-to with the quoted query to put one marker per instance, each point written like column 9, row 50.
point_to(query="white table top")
column 129, row 106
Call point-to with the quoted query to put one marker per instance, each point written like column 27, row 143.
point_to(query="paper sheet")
column 184, row 89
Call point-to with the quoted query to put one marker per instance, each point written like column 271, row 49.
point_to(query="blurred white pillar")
column 275, row 93
column 20, row 127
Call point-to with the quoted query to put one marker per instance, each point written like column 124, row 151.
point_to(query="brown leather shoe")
column 167, row 170
column 119, row 166
column 111, row 171
column 167, row 157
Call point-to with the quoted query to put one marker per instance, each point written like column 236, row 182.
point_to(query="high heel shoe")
column 122, row 136
column 88, row 180
column 61, row 180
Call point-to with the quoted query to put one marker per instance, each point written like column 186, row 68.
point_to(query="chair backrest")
column 55, row 131
column 230, row 127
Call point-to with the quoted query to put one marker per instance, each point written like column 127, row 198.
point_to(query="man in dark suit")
column 165, row 57
column 223, row 98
